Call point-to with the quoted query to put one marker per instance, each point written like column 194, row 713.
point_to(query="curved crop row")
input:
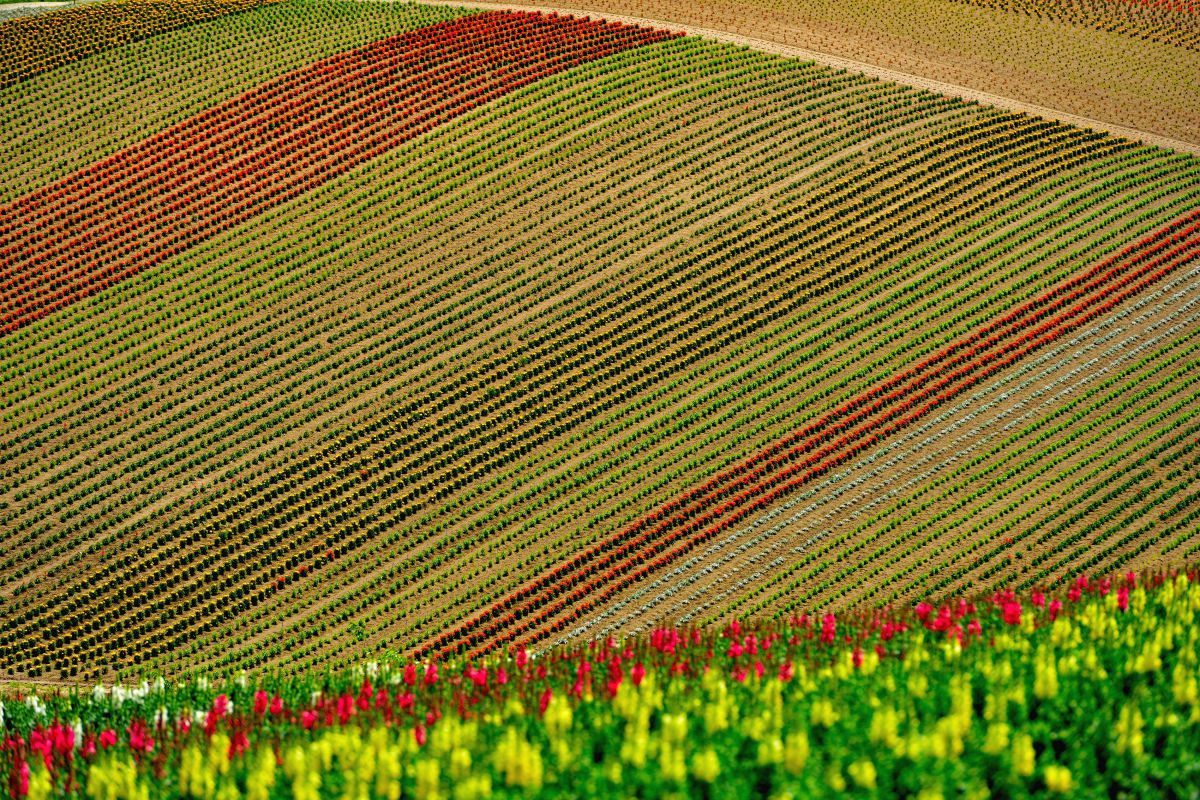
column 38, row 44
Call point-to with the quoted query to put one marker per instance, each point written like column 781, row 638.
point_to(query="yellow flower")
column 428, row 779
column 770, row 751
column 674, row 728
column 1023, row 755
column 823, row 713
column 862, row 772
column 706, row 766
column 885, row 727
column 1058, row 779
column 1045, row 679
column 115, row 779
column 476, row 787
column 521, row 762
column 795, row 752
column 1129, row 731
column 558, row 717
column 996, row 741
column 261, row 779
column 833, row 777
column 40, row 785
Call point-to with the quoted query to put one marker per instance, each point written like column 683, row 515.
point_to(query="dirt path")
column 916, row 81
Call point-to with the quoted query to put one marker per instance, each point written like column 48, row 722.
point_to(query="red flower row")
column 151, row 201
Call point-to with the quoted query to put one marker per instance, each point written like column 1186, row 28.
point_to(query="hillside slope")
column 492, row 381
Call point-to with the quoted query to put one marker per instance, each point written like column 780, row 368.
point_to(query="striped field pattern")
column 446, row 333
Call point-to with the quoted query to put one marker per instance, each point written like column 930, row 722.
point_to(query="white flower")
column 242, row 680
column 373, row 669
column 99, row 692
column 159, row 684
column 202, row 684
column 119, row 694
column 316, row 698
column 35, row 703
column 161, row 717
column 77, row 727
column 199, row 717
column 1, row 716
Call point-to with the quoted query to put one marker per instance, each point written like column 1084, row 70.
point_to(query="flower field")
column 405, row 400
column 448, row 334
column 1090, row 693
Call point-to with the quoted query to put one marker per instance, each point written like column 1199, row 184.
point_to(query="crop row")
column 38, row 44
column 368, row 517
column 206, row 174
column 745, row 565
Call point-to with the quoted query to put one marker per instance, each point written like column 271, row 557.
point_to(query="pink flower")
column 108, row 738
column 1123, row 598
column 382, row 699
column 857, row 657
column 923, row 610
column 238, row 744
column 89, row 746
column 735, row 649
column 974, row 628
column 1038, row 599
column 1073, row 594
column 1055, row 608
column 22, row 778
column 522, row 658
column 419, row 734
column 501, row 676
column 139, row 738
column 220, row 705
column 636, row 673
column 739, row 675
column 759, row 669
column 828, row 628
column 405, row 701
column 261, row 702
column 308, row 719
column 431, row 675
column 1130, row 579
column 786, row 671
column 345, row 708
column 410, row 674
column 1012, row 613
column 276, row 705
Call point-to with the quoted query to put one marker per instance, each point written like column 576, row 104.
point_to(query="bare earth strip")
column 676, row 17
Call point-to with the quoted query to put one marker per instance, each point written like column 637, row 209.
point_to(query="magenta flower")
column 276, row 705
column 1055, row 608
column 308, row 719
column 261, row 702
column 419, row 734
column 108, row 738
column 1012, row 613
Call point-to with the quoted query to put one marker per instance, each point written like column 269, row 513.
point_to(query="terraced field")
column 505, row 329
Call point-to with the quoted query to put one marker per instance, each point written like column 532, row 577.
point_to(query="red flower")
column 637, row 673
column 261, row 702
column 276, row 705
column 108, row 738
column 1012, row 613
column 419, row 734
column 308, row 719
